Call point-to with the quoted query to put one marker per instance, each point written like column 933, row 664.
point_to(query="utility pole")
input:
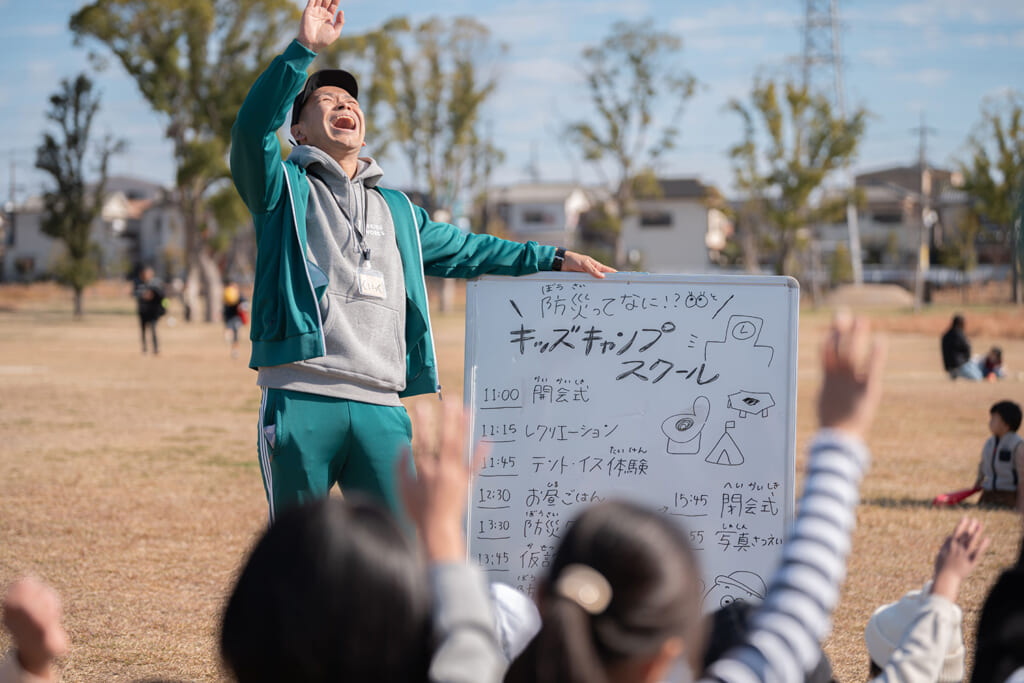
column 8, row 226
column 928, row 216
column 822, row 49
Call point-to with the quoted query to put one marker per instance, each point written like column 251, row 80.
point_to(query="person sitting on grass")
column 956, row 352
column 620, row 602
column 919, row 638
column 1002, row 458
column 991, row 365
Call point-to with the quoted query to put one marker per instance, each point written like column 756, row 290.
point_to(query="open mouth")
column 344, row 122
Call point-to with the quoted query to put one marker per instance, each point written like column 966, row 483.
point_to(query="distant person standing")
column 234, row 314
column 149, row 294
column 956, row 352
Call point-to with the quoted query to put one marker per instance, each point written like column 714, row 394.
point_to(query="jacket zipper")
column 426, row 297
column 305, row 263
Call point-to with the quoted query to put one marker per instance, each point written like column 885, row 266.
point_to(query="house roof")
column 682, row 188
column 527, row 193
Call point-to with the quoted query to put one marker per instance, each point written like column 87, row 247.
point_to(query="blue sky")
column 942, row 57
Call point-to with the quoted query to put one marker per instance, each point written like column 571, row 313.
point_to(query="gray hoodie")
column 365, row 333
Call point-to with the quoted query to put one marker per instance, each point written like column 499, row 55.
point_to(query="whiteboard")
column 674, row 391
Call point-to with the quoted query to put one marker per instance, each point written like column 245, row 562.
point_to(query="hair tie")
column 585, row 586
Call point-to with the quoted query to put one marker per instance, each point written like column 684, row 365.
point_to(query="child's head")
column 1004, row 417
column 622, row 597
column 331, row 592
column 999, row 643
column 729, row 627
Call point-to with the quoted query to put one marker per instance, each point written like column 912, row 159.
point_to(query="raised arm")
column 255, row 150
column 920, row 654
column 785, row 631
column 468, row 650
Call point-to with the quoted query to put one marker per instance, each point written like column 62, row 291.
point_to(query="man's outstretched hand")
column 320, row 24
column 581, row 263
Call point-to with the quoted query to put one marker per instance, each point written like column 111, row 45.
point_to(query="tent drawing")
column 726, row 452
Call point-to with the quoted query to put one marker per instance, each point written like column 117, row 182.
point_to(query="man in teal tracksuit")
column 340, row 325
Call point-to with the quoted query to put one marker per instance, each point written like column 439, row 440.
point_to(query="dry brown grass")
column 131, row 484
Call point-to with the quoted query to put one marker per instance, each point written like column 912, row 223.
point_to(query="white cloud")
column 879, row 56
column 534, row 20
column 41, row 30
column 734, row 16
column 41, row 70
column 547, row 70
column 722, row 43
column 929, row 76
column 1000, row 93
column 987, row 40
column 931, row 12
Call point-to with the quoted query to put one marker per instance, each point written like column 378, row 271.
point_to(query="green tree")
column 637, row 90
column 194, row 61
column 428, row 84
column 71, row 205
column 994, row 173
column 839, row 267
column 788, row 149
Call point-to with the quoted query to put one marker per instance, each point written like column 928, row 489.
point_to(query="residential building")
column 548, row 213
column 138, row 224
column 676, row 231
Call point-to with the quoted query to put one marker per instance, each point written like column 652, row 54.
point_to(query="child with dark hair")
column 999, row 642
column 621, row 601
column 335, row 591
column 1002, row 458
column 992, row 365
column 149, row 297
column 728, row 627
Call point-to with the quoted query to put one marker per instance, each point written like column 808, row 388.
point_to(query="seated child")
column 992, row 365
column 1002, row 457
column 919, row 637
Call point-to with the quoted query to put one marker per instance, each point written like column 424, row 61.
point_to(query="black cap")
column 336, row 77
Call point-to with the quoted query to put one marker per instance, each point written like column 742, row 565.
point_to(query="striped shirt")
column 783, row 641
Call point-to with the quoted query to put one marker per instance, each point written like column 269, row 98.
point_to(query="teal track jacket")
column 286, row 325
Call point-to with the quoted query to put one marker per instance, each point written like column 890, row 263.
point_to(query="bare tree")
column 71, row 205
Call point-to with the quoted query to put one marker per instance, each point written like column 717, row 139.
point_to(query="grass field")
column 131, row 483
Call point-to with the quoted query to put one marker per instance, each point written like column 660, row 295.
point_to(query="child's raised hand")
column 852, row 385
column 436, row 498
column 959, row 555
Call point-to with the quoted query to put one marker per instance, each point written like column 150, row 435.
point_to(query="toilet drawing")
column 683, row 429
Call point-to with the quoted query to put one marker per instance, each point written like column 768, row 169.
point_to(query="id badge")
column 371, row 283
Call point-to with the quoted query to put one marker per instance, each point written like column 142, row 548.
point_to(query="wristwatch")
column 559, row 259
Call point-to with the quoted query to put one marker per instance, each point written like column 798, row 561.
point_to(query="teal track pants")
column 307, row 443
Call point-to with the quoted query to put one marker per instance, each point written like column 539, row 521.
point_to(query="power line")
column 822, row 70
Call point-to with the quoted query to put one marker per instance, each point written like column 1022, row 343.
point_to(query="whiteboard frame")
column 469, row 391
